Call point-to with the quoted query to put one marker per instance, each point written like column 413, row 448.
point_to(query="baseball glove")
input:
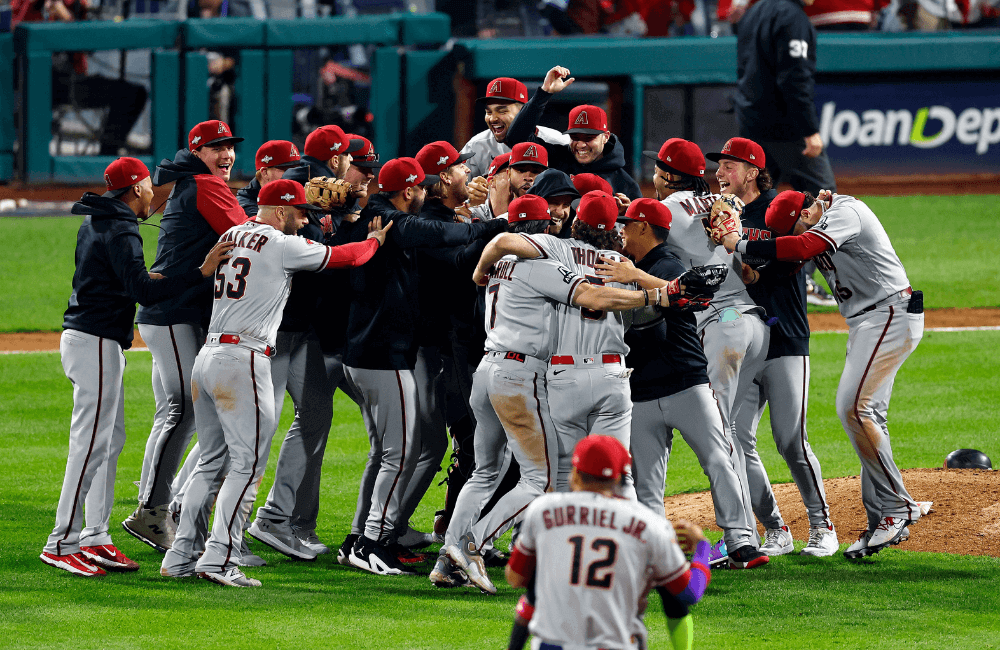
column 326, row 193
column 693, row 290
column 725, row 218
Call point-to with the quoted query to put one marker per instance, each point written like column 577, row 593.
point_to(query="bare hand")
column 155, row 276
column 219, row 254
column 556, row 80
column 750, row 276
column 500, row 196
column 615, row 271
column 688, row 535
column 814, row 146
column 730, row 241
column 478, row 191
column 825, row 197
column 463, row 214
column 376, row 231
column 623, row 203
column 481, row 276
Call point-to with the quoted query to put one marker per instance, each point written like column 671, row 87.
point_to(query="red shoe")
column 108, row 557
column 405, row 555
column 75, row 564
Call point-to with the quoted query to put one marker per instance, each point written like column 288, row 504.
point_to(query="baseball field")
column 946, row 397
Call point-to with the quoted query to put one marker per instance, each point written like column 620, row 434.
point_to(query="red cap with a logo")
column 740, row 149
column 529, row 153
column 365, row 156
column 328, row 141
column 505, row 89
column 401, row 173
column 122, row 174
column 499, row 163
column 438, row 156
column 277, row 153
column 587, row 119
column 528, row 208
column 678, row 155
column 784, row 211
column 648, row 211
column 209, row 133
column 601, row 456
column 598, row 209
column 283, row 192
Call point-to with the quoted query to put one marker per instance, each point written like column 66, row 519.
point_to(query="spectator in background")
column 844, row 15
column 72, row 85
column 221, row 65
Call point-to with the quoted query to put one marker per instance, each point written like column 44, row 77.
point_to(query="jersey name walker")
column 595, row 558
column 252, row 287
column 863, row 268
column 519, row 304
column 584, row 331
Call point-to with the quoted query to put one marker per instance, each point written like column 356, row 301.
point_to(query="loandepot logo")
column 930, row 127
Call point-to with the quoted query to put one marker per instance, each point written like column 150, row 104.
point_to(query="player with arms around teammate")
column 199, row 209
column 110, row 278
column 231, row 380
column 783, row 382
column 594, row 556
column 885, row 317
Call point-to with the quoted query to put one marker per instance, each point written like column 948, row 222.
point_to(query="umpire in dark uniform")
column 774, row 98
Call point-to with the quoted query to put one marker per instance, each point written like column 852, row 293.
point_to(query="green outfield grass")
column 945, row 398
column 938, row 238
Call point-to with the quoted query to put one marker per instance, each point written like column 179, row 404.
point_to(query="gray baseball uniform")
column 485, row 148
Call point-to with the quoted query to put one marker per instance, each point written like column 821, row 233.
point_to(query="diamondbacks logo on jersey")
column 567, row 275
column 581, row 118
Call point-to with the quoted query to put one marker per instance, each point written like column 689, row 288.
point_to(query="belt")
column 908, row 291
column 532, row 363
column 567, row 360
column 243, row 341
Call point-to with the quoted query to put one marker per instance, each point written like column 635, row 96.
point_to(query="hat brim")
column 370, row 164
column 462, row 157
column 116, row 194
column 220, row 141
column 522, row 163
column 355, row 144
column 653, row 155
column 430, row 179
column 286, row 166
column 587, row 131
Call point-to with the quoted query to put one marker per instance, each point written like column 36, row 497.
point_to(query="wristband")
column 741, row 246
column 646, row 295
column 658, row 296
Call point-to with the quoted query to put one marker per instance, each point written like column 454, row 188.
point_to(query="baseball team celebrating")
column 517, row 303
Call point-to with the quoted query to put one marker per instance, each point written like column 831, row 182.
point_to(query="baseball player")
column 885, row 317
column 504, row 99
column 594, row 556
column 231, row 380
column 670, row 386
column 512, row 178
column 783, row 382
column 326, row 154
column 199, row 209
column 558, row 190
column 381, row 355
column 110, row 278
column 593, row 148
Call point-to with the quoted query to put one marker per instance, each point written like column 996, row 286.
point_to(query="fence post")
column 387, row 83
column 164, row 114
column 36, row 114
column 249, row 115
column 195, row 90
column 279, row 94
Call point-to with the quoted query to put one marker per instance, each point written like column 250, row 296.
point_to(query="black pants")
column 124, row 99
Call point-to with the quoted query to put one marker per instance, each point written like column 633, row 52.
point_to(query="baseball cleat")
column 718, row 555
column 493, row 558
column 747, row 557
column 777, row 541
column 248, row 557
column 446, row 575
column 888, row 531
column 184, row 570
column 75, row 563
column 152, row 526
column 310, row 541
column 344, row 551
column 416, row 539
column 108, row 557
column 858, row 549
column 467, row 558
column 823, row 541
column 231, row 578
column 375, row 558
column 405, row 555
column 280, row 538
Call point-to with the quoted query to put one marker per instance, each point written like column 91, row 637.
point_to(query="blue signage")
column 910, row 128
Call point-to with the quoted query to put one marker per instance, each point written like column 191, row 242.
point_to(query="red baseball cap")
column 438, row 156
column 284, row 192
column 679, row 156
column 505, row 89
column 277, row 153
column 587, row 119
column 122, row 174
column 365, row 156
column 528, row 208
column 589, row 182
column 740, row 149
column 598, row 209
column 601, row 456
column 648, row 211
column 499, row 164
column 401, row 173
column 328, row 141
column 209, row 133
column 784, row 211
column 529, row 153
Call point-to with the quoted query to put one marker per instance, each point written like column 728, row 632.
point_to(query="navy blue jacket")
column 610, row 166
column 111, row 274
column 200, row 208
column 665, row 353
column 781, row 289
column 775, row 70
column 385, row 303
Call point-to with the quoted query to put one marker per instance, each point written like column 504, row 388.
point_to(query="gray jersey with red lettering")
column 596, row 557
column 863, row 268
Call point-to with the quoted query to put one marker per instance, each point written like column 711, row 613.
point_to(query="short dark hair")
column 808, row 201
column 533, row 227
column 392, row 195
column 696, row 184
column 602, row 239
column 660, row 232
column 764, row 180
